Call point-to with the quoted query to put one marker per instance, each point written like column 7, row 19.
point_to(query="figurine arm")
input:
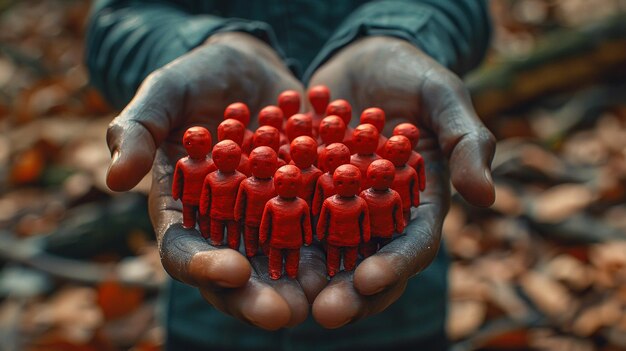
column 240, row 203
column 421, row 173
column 177, row 182
column 205, row 197
column 317, row 199
column 306, row 225
column 398, row 214
column 322, row 223
column 266, row 224
column 365, row 223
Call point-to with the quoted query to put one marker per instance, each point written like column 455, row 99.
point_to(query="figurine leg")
column 333, row 259
column 275, row 262
column 349, row 257
column 407, row 216
column 291, row 262
column 234, row 237
column 189, row 216
column 205, row 226
column 217, row 232
column 251, row 240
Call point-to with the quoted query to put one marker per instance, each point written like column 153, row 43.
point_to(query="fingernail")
column 488, row 176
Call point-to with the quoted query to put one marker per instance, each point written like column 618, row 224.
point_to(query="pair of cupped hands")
column 374, row 71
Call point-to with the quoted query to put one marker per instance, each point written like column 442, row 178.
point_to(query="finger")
column 408, row 254
column 312, row 272
column 256, row 303
column 141, row 127
column 466, row 142
column 289, row 289
column 185, row 255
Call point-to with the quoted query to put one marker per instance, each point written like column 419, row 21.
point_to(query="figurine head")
column 197, row 142
column 410, row 131
column 374, row 116
column 287, row 181
column 298, row 125
column 332, row 129
column 263, row 162
column 347, row 180
column 319, row 96
column 397, row 150
column 303, row 151
column 365, row 139
column 226, row 155
column 289, row 102
column 271, row 116
column 238, row 111
column 340, row 108
column 266, row 136
column 381, row 174
column 336, row 154
column 231, row 129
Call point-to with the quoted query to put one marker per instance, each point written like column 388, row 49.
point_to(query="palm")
column 410, row 87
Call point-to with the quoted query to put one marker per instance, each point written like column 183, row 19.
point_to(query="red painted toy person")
column 273, row 116
column 319, row 96
column 297, row 125
column 286, row 223
column 331, row 130
column 234, row 130
column 365, row 141
column 268, row 136
column 416, row 161
column 343, row 109
column 240, row 112
column 406, row 183
column 219, row 193
column 189, row 175
column 384, row 204
column 376, row 117
column 344, row 221
column 303, row 151
column 253, row 193
column 289, row 103
column 335, row 155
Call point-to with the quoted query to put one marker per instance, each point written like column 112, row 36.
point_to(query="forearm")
column 454, row 33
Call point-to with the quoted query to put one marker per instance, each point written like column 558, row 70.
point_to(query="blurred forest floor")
column 543, row 269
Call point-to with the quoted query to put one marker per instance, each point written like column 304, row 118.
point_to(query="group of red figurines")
column 271, row 184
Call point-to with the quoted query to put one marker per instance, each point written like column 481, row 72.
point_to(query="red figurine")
column 289, row 102
column 297, row 125
column 416, row 161
column 319, row 96
column 219, row 192
column 398, row 150
column 273, row 116
column 376, row 117
column 234, row 130
column 365, row 141
column 268, row 136
column 343, row 109
column 240, row 112
column 384, row 204
column 344, row 221
column 253, row 193
column 335, row 155
column 331, row 130
column 286, row 223
column 303, row 151
column 189, row 174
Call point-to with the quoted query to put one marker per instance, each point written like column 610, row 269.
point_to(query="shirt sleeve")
column 456, row 33
column 127, row 40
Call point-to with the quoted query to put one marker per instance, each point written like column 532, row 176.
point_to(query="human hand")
column 411, row 87
column 194, row 90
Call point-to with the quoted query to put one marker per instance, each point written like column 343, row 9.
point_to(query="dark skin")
column 227, row 68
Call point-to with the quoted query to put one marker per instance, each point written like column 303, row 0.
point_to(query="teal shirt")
column 129, row 39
